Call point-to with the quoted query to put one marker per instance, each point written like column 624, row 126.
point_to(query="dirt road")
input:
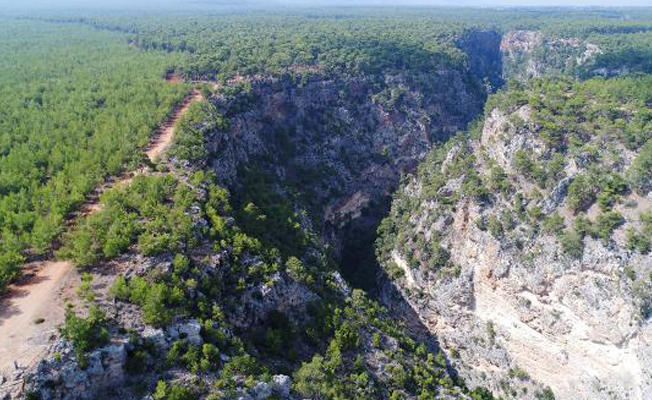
column 161, row 141
column 32, row 309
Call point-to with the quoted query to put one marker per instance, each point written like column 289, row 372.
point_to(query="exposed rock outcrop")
column 280, row 294
column 530, row 54
column 61, row 377
column 517, row 312
column 344, row 141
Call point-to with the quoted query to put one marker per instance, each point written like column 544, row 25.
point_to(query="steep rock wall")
column 516, row 311
column 342, row 142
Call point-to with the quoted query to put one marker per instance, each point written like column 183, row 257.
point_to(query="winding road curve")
column 33, row 309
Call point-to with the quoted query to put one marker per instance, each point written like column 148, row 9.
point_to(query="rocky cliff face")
column 484, row 49
column 528, row 256
column 337, row 146
column 585, row 53
column 344, row 141
column 531, row 54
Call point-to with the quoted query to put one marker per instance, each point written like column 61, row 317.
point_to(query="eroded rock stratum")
column 527, row 253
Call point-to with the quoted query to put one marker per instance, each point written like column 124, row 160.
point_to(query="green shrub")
column 507, row 220
column 85, row 334
column 524, row 164
column 607, row 223
column 438, row 256
column 581, row 193
column 552, row 138
column 646, row 221
column 311, row 379
column 498, row 181
column 630, row 273
column 138, row 360
column 172, row 392
column 84, row 289
column 33, row 396
column 641, row 170
column 481, row 393
column 611, row 186
column 494, row 226
column 554, row 224
column 472, row 186
column 584, row 226
column 197, row 359
column 241, row 365
column 298, row 271
column 159, row 302
column 572, row 244
column 638, row 241
column 555, row 169
column 11, row 260
column 518, row 373
column 519, row 206
column 393, row 270
column 545, row 394
column 535, row 214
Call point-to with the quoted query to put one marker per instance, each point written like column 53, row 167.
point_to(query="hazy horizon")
column 8, row 4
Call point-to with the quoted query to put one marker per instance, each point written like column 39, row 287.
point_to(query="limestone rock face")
column 281, row 385
column 63, row 378
column 61, row 375
column 278, row 388
column 532, row 54
column 281, row 294
column 190, row 331
column 516, row 312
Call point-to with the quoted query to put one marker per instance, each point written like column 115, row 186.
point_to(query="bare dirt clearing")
column 31, row 311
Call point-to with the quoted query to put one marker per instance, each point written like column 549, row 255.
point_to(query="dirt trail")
column 31, row 310
column 164, row 137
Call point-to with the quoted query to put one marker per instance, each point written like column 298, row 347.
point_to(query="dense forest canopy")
column 76, row 106
column 354, row 39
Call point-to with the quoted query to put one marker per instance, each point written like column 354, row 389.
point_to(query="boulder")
column 191, row 331
column 281, row 385
column 262, row 391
